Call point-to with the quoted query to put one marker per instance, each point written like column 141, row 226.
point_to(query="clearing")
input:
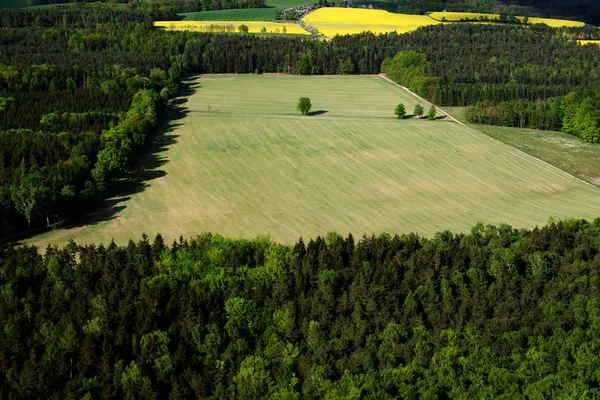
column 253, row 165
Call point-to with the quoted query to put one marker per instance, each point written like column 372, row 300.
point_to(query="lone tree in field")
column 418, row 110
column 432, row 113
column 243, row 28
column 304, row 105
column 400, row 111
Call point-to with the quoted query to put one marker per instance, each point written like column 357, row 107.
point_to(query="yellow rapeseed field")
column 457, row 16
column 331, row 21
column 583, row 42
column 232, row 26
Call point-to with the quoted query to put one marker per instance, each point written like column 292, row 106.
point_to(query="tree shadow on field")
column 147, row 165
column 441, row 117
column 317, row 112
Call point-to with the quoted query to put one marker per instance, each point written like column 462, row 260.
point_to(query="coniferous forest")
column 497, row 313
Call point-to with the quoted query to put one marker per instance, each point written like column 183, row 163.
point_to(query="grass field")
column 246, row 14
column 457, row 16
column 284, row 4
column 254, row 166
column 232, row 26
column 567, row 152
column 333, row 21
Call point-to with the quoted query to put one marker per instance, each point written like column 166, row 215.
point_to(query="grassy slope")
column 248, row 14
column 253, row 166
column 564, row 151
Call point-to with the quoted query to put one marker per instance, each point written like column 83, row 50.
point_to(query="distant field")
column 284, row 4
column 457, row 16
column 232, row 26
column 333, row 21
column 584, row 42
column 254, row 166
column 247, row 14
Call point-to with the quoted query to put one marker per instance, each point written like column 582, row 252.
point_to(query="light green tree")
column 254, row 379
column 29, row 195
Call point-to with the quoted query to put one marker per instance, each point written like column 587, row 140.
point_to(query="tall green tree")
column 418, row 110
column 400, row 111
column 304, row 105
column 432, row 113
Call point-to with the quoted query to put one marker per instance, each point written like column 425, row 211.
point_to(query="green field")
column 254, row 166
column 564, row 151
column 246, row 14
column 284, row 4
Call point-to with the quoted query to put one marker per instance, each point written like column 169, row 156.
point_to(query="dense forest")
column 577, row 113
column 82, row 87
column 497, row 313
column 76, row 105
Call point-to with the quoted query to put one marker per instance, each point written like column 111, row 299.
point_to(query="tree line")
column 75, row 107
column 495, row 312
column 577, row 113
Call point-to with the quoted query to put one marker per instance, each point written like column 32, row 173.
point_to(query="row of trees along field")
column 72, row 78
column 76, row 106
column 495, row 313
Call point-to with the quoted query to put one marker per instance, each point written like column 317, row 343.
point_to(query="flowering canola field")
column 584, row 42
column 457, row 16
column 331, row 21
column 232, row 26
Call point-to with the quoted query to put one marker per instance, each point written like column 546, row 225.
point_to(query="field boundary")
column 489, row 137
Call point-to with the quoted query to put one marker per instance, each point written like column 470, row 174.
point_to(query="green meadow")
column 238, row 159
